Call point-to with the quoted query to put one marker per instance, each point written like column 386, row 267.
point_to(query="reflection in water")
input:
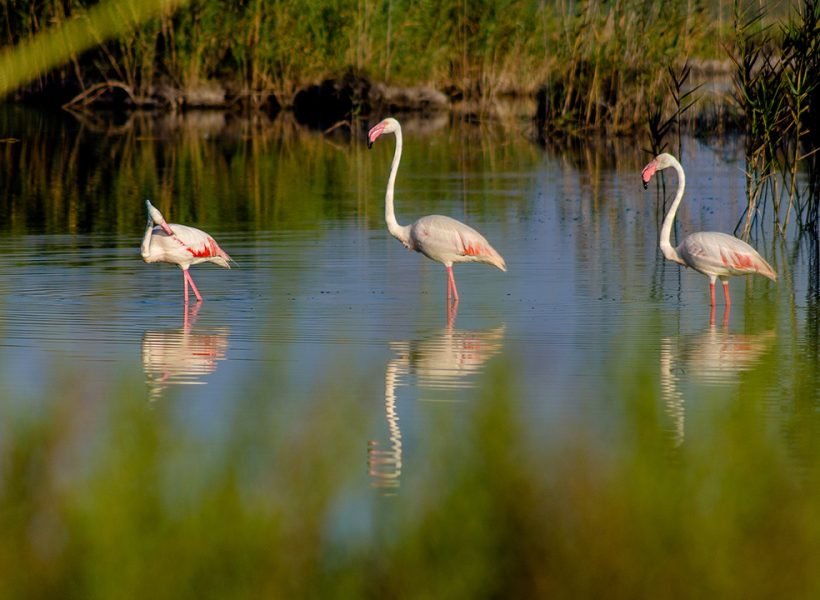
column 714, row 357
column 384, row 464
column 180, row 356
column 446, row 360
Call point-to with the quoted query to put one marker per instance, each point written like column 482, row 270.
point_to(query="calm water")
column 323, row 301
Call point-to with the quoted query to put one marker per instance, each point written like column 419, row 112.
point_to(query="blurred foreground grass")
column 105, row 495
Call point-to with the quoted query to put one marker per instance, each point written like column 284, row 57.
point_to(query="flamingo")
column 179, row 245
column 439, row 238
column 716, row 255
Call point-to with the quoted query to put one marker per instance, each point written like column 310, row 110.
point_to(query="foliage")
column 602, row 63
column 777, row 89
column 103, row 494
column 611, row 64
column 38, row 50
column 682, row 102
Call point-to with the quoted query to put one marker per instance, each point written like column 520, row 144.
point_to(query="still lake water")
column 324, row 302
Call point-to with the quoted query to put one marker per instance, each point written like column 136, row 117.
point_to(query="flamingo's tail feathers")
column 766, row 270
column 223, row 259
column 495, row 259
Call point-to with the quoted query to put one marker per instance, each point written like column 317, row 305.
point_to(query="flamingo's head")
column 154, row 214
column 660, row 162
column 388, row 125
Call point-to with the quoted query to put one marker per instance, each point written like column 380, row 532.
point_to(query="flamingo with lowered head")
column 716, row 255
column 179, row 245
column 442, row 239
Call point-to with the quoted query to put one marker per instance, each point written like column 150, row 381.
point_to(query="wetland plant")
column 776, row 83
column 682, row 101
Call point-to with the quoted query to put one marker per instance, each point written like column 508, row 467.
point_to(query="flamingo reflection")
column 445, row 360
column 713, row 357
column 181, row 356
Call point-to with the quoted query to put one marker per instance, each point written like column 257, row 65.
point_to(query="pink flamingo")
column 715, row 254
column 442, row 239
column 179, row 245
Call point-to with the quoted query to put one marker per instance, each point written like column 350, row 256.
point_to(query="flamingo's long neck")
column 666, row 229
column 397, row 231
column 145, row 248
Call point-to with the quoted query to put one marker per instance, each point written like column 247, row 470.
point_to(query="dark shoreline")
column 335, row 102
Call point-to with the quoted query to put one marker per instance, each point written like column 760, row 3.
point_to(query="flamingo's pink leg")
column 452, row 311
column 712, row 291
column 451, row 282
column 193, row 287
column 726, row 294
column 185, row 287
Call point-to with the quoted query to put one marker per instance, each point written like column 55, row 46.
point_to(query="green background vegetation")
column 485, row 46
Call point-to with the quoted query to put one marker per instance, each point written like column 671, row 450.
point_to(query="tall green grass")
column 601, row 63
column 777, row 89
column 103, row 494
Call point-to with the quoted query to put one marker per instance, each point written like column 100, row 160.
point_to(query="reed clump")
column 777, row 90
column 612, row 64
column 597, row 64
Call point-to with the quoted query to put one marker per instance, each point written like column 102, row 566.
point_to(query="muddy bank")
column 322, row 105
column 338, row 102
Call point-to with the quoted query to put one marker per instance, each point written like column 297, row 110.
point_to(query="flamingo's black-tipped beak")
column 375, row 132
column 648, row 171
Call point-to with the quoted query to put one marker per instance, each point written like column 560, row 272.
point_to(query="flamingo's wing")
column 199, row 245
column 448, row 240
column 721, row 254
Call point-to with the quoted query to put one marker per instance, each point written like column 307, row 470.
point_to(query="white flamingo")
column 179, row 245
column 716, row 255
column 440, row 238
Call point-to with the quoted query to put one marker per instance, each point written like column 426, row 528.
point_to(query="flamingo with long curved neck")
column 439, row 238
column 716, row 255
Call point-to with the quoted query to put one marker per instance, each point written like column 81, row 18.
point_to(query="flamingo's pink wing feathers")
column 447, row 240
column 723, row 254
column 200, row 245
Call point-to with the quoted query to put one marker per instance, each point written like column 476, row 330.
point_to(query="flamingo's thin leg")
column 185, row 287
column 452, row 311
column 712, row 291
column 193, row 286
column 451, row 281
column 726, row 294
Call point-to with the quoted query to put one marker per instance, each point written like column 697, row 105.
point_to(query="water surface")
column 323, row 301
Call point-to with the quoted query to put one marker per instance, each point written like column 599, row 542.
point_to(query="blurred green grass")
column 104, row 495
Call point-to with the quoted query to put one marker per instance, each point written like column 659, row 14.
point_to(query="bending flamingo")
column 179, row 245
column 439, row 238
column 716, row 255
